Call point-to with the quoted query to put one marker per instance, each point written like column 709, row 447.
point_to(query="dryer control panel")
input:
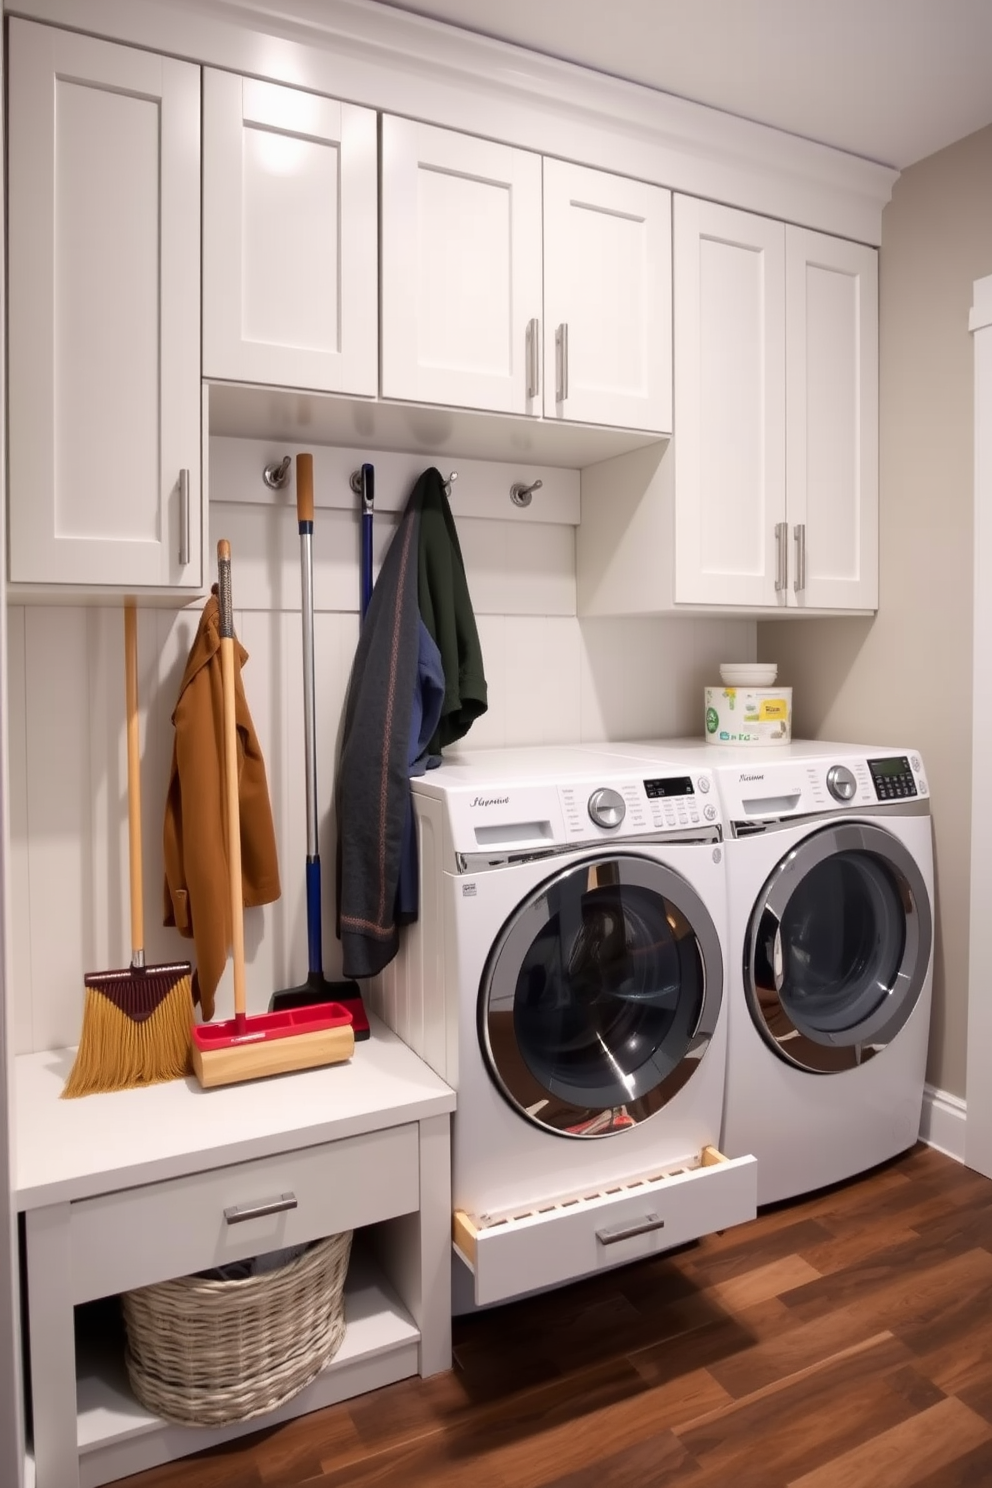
column 840, row 781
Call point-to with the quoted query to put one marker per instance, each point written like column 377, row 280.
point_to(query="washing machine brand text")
column 490, row 801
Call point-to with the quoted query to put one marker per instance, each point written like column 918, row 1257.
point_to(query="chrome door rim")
column 498, row 986
column 831, row 1052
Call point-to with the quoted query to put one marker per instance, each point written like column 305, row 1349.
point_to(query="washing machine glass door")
column 838, row 947
column 601, row 995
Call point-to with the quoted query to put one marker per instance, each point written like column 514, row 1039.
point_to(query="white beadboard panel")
column 510, row 570
column 518, row 570
column 540, row 684
column 643, row 679
column 18, row 877
column 58, row 821
column 481, row 488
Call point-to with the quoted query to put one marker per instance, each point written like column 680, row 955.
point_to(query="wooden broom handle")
column 304, row 488
column 225, row 602
column 133, row 781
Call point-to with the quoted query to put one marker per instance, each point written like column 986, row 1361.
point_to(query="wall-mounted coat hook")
column 450, row 482
column 521, row 495
column 276, row 475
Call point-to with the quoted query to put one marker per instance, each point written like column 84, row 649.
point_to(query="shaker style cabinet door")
column 290, row 226
column 831, row 401
column 104, row 313
column 607, row 299
column 729, row 445
column 461, row 270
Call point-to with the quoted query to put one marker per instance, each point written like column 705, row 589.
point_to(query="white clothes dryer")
column 566, row 977
column 830, row 896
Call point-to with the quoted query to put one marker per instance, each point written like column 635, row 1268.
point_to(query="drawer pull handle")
column 240, row 1212
column 627, row 1232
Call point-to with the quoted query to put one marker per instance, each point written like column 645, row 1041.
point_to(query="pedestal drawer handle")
column 627, row 1232
column 240, row 1212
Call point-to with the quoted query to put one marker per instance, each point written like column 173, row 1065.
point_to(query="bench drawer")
column 140, row 1235
column 575, row 1237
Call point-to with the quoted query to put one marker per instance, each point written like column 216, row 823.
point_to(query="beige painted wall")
column 905, row 677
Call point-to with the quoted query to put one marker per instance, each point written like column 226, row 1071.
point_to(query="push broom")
column 136, row 1022
column 244, row 1048
column 317, row 988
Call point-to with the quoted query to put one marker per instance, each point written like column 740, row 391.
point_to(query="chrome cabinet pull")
column 781, row 556
column 533, row 360
column 183, row 517
column 799, row 532
column 561, row 349
column 240, row 1212
column 627, row 1232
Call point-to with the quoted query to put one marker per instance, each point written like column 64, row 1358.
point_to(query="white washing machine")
column 566, row 977
column 830, row 896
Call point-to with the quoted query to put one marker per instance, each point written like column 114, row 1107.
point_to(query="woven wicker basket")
column 204, row 1352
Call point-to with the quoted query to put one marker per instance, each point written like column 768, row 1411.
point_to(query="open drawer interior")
column 567, row 1238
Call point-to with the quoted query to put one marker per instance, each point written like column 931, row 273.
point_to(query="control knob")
column 841, row 783
column 606, row 808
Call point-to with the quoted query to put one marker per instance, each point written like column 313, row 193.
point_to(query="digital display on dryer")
column 892, row 778
column 672, row 785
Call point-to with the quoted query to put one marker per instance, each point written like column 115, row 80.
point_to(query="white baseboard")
column 944, row 1122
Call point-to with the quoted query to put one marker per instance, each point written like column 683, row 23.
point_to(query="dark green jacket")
column 446, row 610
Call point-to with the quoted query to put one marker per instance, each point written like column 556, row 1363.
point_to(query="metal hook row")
column 276, row 476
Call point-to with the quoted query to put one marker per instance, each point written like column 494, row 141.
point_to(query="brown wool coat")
column 197, row 896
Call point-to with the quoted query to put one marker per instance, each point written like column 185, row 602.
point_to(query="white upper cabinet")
column 776, row 416
column 290, row 228
column 517, row 289
column 104, row 314
column 607, row 299
column 831, row 305
column 461, row 269
column 729, row 443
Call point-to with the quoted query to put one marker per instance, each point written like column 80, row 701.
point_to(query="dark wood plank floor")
column 842, row 1341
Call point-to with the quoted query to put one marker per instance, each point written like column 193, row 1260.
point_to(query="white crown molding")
column 386, row 59
column 944, row 1122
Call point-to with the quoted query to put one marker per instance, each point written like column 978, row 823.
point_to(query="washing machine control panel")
column 629, row 806
column 893, row 778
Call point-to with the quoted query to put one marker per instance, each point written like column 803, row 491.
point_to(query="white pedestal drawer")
column 140, row 1235
column 574, row 1237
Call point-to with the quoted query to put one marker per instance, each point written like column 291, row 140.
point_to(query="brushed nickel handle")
column 240, row 1212
column 561, row 349
column 183, row 517
column 533, row 360
column 782, row 556
column 800, row 536
column 628, row 1232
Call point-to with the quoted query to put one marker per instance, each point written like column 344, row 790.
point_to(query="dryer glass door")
column 838, row 947
column 601, row 995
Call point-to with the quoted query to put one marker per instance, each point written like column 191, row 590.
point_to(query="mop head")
column 137, row 1029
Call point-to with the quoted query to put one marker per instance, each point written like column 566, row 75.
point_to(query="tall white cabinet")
column 290, row 225
column 104, row 442
column 776, row 447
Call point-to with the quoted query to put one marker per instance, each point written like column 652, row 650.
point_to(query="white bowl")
column 748, row 673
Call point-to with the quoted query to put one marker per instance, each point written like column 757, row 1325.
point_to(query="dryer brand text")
column 752, row 775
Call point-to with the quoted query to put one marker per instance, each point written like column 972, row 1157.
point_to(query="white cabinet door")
column 607, row 299
column 290, row 251
column 729, row 437
column 461, row 269
column 831, row 301
column 104, row 266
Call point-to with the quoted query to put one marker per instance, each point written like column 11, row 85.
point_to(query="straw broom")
column 137, row 1022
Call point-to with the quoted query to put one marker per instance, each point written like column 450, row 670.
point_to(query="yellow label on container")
column 773, row 708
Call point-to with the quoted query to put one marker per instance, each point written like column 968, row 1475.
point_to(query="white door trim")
column 978, row 1148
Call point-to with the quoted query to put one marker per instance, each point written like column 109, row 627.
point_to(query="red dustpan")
column 244, row 1048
